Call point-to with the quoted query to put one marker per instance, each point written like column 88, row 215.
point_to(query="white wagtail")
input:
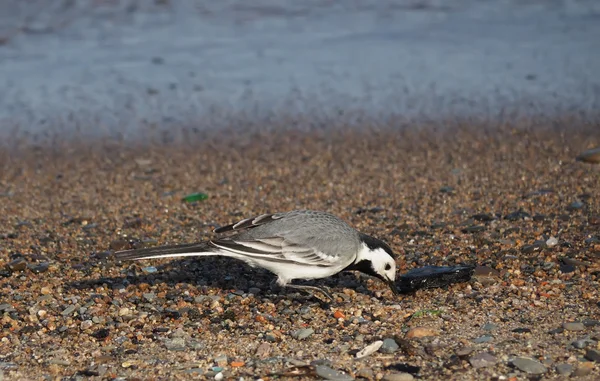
column 300, row 244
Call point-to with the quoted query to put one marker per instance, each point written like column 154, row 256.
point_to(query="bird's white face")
column 383, row 263
column 379, row 263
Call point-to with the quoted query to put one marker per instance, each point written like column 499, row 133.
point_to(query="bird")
column 298, row 244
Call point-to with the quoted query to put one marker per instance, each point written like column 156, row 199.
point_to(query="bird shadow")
column 224, row 273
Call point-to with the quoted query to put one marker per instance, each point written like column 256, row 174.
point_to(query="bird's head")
column 376, row 258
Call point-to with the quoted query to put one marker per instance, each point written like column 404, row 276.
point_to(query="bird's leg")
column 313, row 288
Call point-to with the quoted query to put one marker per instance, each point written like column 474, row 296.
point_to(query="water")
column 105, row 65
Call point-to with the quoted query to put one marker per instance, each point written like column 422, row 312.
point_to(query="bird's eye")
column 388, row 266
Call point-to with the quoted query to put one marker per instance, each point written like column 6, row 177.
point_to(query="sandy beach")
column 508, row 197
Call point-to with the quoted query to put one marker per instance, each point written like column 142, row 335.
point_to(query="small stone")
column 219, row 376
column 573, row 326
column 419, row 332
column 389, row 346
column 221, row 360
column 528, row 365
column 580, row 344
column 398, row 377
column 564, row 369
column 366, row 373
column 69, row 310
column 149, row 270
column 593, row 355
column 18, row 264
column 45, row 290
column 149, row 296
column 41, row 314
column 263, row 350
column 124, row 311
column 254, row 290
column 590, row 323
column 521, row 330
column 551, row 242
column 584, row 369
column 369, row 349
column 489, row 327
column 86, row 324
column 591, row 156
column 482, row 360
column 339, row 314
column 59, row 362
column 119, row 244
column 483, row 339
column 575, row 205
column 331, row 374
column 473, row 229
column 4, row 306
column 302, row 334
column 176, row 344
column 39, row 268
column 464, row 351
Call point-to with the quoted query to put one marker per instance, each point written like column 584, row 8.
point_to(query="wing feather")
column 277, row 249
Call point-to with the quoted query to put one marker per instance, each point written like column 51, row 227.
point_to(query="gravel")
column 71, row 206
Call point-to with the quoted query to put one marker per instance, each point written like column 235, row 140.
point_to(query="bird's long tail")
column 183, row 250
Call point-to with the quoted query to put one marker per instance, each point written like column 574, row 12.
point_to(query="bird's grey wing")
column 250, row 222
column 278, row 249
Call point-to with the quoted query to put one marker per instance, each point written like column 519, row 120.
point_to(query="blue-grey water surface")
column 106, row 65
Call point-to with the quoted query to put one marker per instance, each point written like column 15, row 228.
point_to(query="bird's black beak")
column 392, row 285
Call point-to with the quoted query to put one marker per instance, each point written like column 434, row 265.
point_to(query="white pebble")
column 369, row 349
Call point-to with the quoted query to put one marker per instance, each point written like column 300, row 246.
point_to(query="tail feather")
column 183, row 250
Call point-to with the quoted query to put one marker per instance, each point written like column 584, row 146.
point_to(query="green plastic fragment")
column 193, row 197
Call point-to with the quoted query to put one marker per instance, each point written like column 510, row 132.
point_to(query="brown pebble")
column 418, row 332
column 18, row 264
column 119, row 244
column 263, row 350
column 590, row 156
column 584, row 369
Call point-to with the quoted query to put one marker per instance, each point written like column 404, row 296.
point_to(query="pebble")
column 573, row 326
column 366, row 373
column 69, row 310
column 580, row 344
column 593, row 355
column 221, row 360
column 149, row 270
column 482, row 360
column 369, row 349
column 584, row 369
column 464, row 351
column 551, row 242
column 124, row 311
column 528, row 365
column 331, row 374
column 176, row 344
column 149, row 296
column 254, row 290
column 263, row 350
column 18, row 264
column 398, row 377
column 564, row 369
column 419, row 332
column 591, row 156
column 302, row 334
column 5, row 306
column 389, row 346
column 86, row 324
column 119, row 244
column 489, row 327
column 483, row 339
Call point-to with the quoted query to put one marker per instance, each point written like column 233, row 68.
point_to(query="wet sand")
column 491, row 194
